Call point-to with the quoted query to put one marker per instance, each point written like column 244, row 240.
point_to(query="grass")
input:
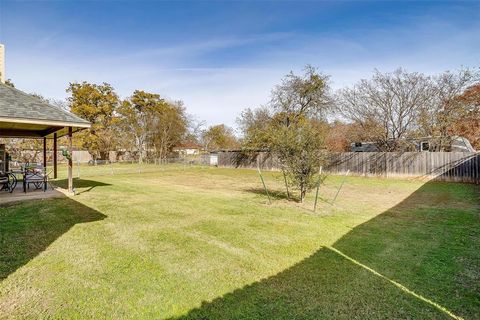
column 202, row 243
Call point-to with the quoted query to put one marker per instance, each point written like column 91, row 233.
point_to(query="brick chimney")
column 2, row 63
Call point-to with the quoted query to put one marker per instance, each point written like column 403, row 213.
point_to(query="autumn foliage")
column 468, row 125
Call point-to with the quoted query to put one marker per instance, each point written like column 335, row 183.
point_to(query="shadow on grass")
column 28, row 228
column 282, row 195
column 274, row 194
column 418, row 259
column 88, row 185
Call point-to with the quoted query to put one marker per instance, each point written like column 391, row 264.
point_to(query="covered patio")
column 25, row 116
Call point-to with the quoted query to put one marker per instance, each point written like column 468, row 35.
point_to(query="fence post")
column 318, row 187
column 286, row 184
column 341, row 185
column 264, row 186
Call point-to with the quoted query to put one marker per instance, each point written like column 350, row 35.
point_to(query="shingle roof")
column 20, row 105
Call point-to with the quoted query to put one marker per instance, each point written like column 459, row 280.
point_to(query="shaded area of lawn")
column 28, row 228
column 84, row 184
column 419, row 259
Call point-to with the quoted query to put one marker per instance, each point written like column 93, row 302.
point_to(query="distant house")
column 364, row 146
column 187, row 149
column 457, row 144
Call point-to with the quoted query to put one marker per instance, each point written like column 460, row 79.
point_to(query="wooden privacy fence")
column 441, row 166
column 237, row 159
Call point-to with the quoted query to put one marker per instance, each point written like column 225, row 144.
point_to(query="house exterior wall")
column 190, row 152
column 187, row 151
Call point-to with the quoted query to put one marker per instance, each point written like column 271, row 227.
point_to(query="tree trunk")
column 103, row 155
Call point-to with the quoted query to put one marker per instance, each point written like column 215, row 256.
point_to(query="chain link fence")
column 89, row 168
column 107, row 167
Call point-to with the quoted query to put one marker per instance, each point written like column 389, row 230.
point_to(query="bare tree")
column 391, row 107
column 387, row 106
column 195, row 129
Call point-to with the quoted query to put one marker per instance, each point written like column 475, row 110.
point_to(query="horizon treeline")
column 387, row 109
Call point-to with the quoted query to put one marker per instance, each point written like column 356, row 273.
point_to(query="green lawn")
column 203, row 243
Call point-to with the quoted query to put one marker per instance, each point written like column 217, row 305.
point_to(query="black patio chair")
column 35, row 176
column 8, row 182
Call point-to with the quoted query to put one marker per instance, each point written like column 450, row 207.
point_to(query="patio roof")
column 23, row 115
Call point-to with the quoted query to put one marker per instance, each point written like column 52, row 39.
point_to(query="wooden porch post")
column 45, row 153
column 55, row 155
column 70, row 161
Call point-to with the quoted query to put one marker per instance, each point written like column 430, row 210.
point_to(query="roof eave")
column 85, row 124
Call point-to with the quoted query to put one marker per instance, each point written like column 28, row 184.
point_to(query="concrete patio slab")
column 18, row 195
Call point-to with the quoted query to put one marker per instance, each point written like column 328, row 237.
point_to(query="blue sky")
column 220, row 57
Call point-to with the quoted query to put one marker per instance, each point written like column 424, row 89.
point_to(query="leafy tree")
column 169, row 128
column 219, row 137
column 299, row 146
column 304, row 95
column 446, row 110
column 339, row 135
column 97, row 104
column 468, row 122
column 137, row 118
column 252, row 122
column 152, row 123
column 292, row 127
